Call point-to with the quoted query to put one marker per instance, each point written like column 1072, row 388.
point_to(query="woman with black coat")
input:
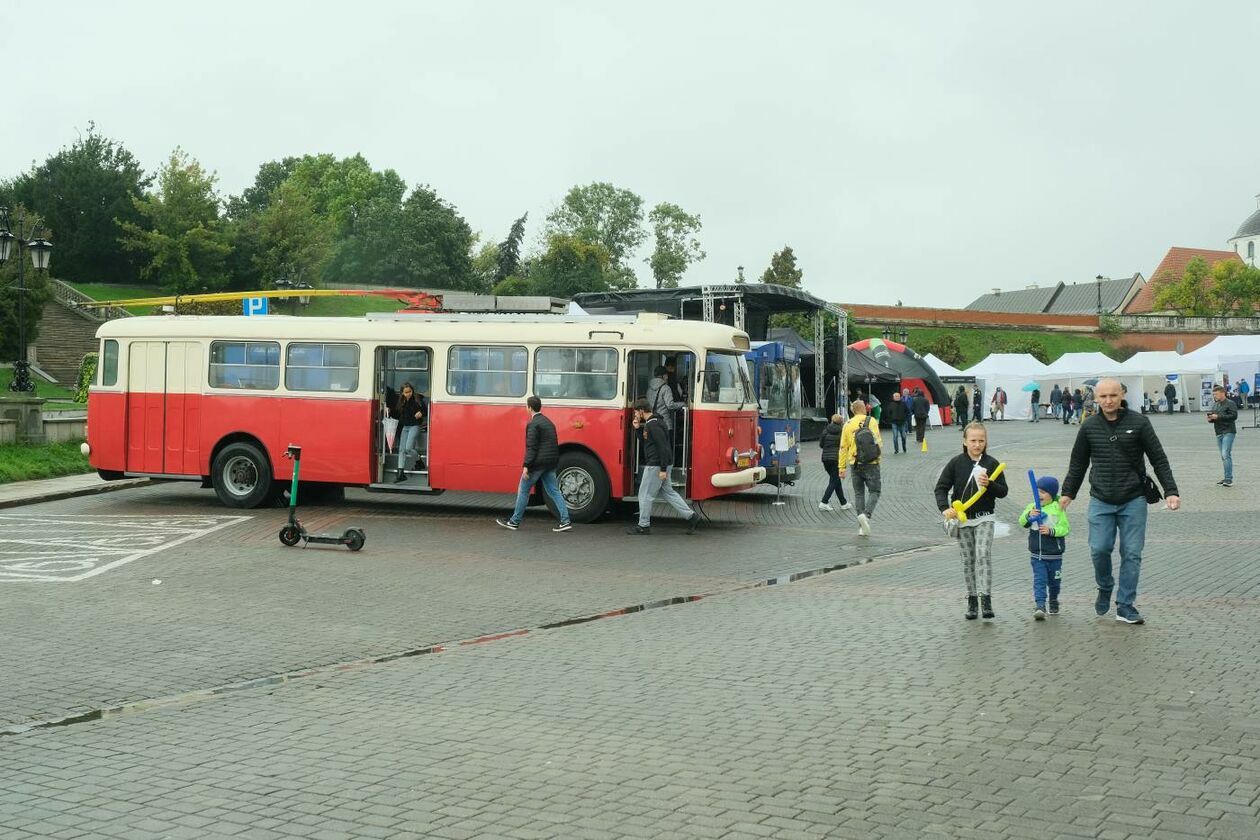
column 830, row 443
column 962, row 476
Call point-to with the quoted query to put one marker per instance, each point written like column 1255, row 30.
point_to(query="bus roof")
column 410, row 327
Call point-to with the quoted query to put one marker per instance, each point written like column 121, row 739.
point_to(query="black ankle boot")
column 986, row 606
column 971, row 607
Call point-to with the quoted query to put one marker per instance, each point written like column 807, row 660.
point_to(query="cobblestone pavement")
column 858, row 704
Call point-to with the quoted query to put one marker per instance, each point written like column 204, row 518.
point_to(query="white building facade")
column 1246, row 242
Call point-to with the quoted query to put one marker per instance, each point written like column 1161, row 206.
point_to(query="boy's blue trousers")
column 1047, row 575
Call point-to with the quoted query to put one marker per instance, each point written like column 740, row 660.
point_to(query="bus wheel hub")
column 577, row 487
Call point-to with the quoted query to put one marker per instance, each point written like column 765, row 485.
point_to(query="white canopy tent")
column 1010, row 372
column 1073, row 371
column 1149, row 372
column 1233, row 356
column 942, row 368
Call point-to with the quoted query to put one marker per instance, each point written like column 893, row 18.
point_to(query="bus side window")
column 321, row 367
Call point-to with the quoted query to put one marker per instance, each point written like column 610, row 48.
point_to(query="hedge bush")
column 87, row 374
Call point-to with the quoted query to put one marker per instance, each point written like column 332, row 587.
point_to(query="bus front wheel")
column 584, row 485
column 242, row 476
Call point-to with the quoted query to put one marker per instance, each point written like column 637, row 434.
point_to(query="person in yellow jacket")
column 860, row 446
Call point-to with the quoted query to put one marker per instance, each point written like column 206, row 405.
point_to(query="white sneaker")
column 847, row 506
column 824, row 506
column 864, row 525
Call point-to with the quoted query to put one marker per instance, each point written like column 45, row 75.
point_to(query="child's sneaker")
column 1054, row 608
column 1040, row 613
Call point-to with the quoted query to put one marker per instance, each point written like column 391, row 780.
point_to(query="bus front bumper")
column 738, row 479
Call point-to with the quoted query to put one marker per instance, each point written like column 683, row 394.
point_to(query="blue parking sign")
column 255, row 305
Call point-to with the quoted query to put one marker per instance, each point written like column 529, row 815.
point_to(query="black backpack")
column 864, row 442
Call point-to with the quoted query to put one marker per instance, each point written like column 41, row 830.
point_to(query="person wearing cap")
column 1046, row 543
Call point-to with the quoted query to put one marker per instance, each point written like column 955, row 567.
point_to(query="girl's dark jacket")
column 956, row 484
column 829, row 441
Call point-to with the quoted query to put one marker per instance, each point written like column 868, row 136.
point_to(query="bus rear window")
column 109, row 363
column 321, row 367
column 575, row 373
column 248, row 365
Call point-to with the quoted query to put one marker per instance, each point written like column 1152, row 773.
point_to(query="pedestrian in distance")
column 1223, row 416
column 964, row 475
column 1113, row 445
column 1244, row 393
column 1056, row 401
column 977, row 405
column 1170, row 394
column 829, row 441
column 1036, row 406
column 961, row 403
column 921, row 409
column 1046, row 544
column 860, row 445
column 898, row 416
column 1068, row 407
column 542, row 454
column 658, row 457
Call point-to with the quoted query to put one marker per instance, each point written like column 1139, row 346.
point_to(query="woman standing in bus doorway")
column 410, row 413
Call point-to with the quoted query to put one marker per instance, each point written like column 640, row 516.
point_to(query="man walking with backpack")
column 860, row 445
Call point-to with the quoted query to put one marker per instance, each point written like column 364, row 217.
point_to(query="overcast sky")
column 922, row 151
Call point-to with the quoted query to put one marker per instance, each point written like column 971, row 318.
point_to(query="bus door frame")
column 416, row 479
column 681, row 470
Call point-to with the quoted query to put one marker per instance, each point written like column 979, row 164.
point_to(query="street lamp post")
column 1100, row 280
column 41, row 251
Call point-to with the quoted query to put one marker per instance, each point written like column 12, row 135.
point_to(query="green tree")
column 434, row 245
column 180, row 237
column 485, row 264
column 294, row 242
column 509, row 251
column 1019, row 344
column 36, row 284
column 569, row 265
column 80, row 191
column 946, row 348
column 1235, row 287
column 601, row 214
column 676, row 244
column 1188, row 294
column 782, row 270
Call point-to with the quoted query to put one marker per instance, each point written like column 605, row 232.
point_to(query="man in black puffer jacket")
column 895, row 412
column 830, row 444
column 1114, row 445
column 542, row 454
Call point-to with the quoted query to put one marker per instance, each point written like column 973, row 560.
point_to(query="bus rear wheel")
column 242, row 476
column 584, row 486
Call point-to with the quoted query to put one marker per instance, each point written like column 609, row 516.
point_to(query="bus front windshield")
column 774, row 390
column 794, row 390
column 726, row 379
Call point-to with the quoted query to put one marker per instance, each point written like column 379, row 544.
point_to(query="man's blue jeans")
column 1225, row 443
column 547, row 478
column 899, row 436
column 1106, row 521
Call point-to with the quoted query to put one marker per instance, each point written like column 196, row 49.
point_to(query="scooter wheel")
column 355, row 539
column 290, row 535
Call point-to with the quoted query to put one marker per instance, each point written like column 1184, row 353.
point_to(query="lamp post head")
column 6, row 243
column 41, row 253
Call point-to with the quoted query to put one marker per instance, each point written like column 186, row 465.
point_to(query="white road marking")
column 79, row 547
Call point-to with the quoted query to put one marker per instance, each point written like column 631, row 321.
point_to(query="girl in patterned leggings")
column 966, row 473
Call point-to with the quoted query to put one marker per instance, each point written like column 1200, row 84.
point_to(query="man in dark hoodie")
column 897, row 415
column 1114, row 444
column 829, row 442
column 658, row 457
column 921, row 410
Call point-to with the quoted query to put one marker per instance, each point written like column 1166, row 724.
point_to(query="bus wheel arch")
column 583, row 482
column 240, row 472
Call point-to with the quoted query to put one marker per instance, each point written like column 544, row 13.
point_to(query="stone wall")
column 65, row 337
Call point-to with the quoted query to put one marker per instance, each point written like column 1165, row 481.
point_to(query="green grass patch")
column 43, row 389
column 976, row 344
column 19, row 462
column 107, row 291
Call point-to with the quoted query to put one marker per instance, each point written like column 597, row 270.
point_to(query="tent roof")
column 942, row 368
column 1225, row 345
column 791, row 337
column 1007, row 364
column 1162, row 361
column 1093, row 362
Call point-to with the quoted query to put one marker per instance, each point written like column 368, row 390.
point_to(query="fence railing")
column 73, row 298
column 1181, row 323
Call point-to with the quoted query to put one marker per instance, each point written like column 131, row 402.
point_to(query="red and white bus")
column 218, row 399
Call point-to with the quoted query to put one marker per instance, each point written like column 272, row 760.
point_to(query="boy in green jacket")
column 1046, row 545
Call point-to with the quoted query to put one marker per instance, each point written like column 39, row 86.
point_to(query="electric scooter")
column 294, row 532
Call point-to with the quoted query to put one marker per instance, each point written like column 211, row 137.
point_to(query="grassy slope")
column 976, row 343
column 57, row 396
column 23, row 463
